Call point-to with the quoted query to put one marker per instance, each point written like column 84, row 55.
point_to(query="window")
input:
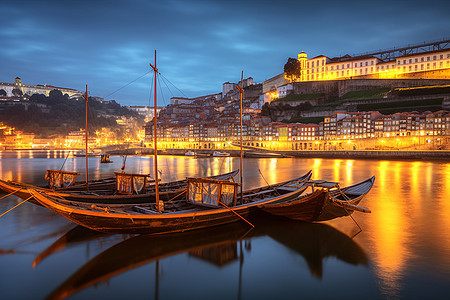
column 410, row 61
column 422, row 59
column 367, row 63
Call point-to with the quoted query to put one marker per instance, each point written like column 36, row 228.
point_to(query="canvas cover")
column 128, row 183
column 58, row 179
column 210, row 191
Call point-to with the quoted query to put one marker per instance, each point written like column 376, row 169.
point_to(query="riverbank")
column 261, row 153
column 344, row 154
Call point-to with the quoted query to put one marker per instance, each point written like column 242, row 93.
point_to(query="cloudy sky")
column 108, row 44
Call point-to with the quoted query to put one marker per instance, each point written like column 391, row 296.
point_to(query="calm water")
column 402, row 253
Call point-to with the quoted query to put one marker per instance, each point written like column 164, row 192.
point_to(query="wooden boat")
column 344, row 201
column 327, row 202
column 110, row 190
column 104, row 159
column 209, row 202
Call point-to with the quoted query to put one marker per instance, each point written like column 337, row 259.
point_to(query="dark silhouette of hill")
column 57, row 114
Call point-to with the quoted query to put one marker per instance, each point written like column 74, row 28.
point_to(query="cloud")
column 200, row 43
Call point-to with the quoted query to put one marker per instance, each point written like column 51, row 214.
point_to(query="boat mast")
column 86, row 137
column 155, row 151
column 242, row 168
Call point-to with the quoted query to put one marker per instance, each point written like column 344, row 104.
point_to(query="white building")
column 35, row 89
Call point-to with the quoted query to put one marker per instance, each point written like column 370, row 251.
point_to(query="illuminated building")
column 371, row 67
column 19, row 89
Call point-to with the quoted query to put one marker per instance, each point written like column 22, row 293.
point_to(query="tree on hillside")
column 292, row 69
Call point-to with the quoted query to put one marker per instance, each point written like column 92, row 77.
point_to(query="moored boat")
column 220, row 154
column 124, row 188
column 209, row 202
column 190, row 153
column 327, row 202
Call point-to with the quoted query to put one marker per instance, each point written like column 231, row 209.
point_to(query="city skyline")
column 109, row 44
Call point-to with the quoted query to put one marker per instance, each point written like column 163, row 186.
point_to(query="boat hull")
column 119, row 219
column 307, row 209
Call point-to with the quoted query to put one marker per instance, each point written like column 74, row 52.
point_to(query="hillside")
column 58, row 115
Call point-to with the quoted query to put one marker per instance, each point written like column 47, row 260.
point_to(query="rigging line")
column 151, row 92
column 161, row 92
column 65, row 160
column 165, row 83
column 127, row 84
column 162, row 76
column 15, row 206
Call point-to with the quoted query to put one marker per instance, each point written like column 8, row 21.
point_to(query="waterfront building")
column 303, row 132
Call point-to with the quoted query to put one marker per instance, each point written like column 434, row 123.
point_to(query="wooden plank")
column 144, row 210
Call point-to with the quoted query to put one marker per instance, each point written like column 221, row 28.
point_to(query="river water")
column 403, row 251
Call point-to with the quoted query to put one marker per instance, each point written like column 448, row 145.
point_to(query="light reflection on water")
column 405, row 238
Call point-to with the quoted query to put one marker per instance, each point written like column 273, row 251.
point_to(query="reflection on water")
column 217, row 246
column 404, row 240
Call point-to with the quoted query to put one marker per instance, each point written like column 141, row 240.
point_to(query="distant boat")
column 190, row 153
column 254, row 154
column 104, row 159
column 83, row 154
column 220, row 154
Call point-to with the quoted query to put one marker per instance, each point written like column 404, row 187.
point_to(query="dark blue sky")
column 200, row 43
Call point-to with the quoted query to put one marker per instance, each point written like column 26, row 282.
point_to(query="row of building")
column 339, row 125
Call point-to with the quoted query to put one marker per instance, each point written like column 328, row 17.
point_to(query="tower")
column 302, row 59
